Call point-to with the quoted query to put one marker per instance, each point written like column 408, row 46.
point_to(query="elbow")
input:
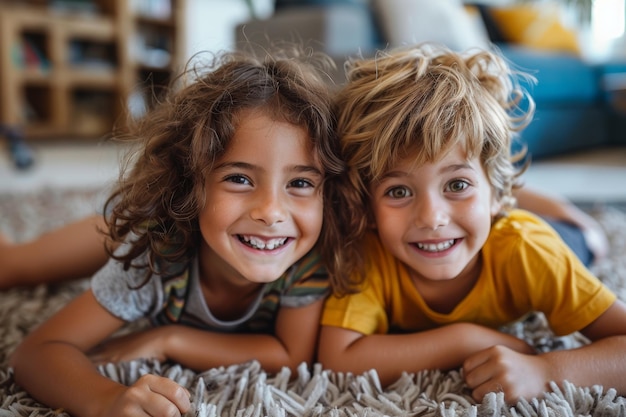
column 340, row 350
column 18, row 360
column 18, row 356
column 333, row 359
column 292, row 362
column 14, row 359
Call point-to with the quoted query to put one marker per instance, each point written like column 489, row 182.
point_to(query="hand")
column 500, row 369
column 147, row 344
column 151, row 395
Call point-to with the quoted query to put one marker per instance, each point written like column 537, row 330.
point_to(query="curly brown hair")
column 158, row 198
column 422, row 101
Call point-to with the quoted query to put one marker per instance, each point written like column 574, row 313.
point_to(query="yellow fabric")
column 526, row 267
column 534, row 27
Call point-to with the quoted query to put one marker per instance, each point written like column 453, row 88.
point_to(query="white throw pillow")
column 405, row 22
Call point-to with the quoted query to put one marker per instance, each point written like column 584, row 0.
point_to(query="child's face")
column 436, row 217
column 264, row 201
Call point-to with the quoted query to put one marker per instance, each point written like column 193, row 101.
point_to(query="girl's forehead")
column 259, row 134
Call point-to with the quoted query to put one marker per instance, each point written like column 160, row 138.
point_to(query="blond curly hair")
column 422, row 101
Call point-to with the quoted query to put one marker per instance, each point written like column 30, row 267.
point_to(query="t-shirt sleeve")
column 306, row 282
column 365, row 310
column 121, row 293
column 361, row 312
column 555, row 280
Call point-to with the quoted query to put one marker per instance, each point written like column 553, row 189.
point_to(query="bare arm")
column 52, row 366
column 73, row 251
column 446, row 347
column 601, row 362
column 294, row 343
column 564, row 210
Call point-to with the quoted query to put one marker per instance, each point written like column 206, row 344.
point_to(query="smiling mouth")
column 260, row 244
column 436, row 247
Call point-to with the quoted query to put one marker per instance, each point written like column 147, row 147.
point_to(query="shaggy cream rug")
column 246, row 390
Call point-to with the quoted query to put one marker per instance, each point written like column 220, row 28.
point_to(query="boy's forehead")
column 415, row 157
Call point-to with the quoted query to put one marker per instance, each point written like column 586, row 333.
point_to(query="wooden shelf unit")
column 67, row 74
column 156, row 47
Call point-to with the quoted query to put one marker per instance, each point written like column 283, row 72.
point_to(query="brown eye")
column 398, row 192
column 457, row 186
column 301, row 183
column 237, row 179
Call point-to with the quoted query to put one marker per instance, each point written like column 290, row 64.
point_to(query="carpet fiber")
column 246, row 390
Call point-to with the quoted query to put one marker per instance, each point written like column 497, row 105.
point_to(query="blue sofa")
column 574, row 110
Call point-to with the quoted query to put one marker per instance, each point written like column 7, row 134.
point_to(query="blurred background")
column 72, row 70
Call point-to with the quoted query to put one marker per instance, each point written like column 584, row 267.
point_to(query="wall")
column 211, row 23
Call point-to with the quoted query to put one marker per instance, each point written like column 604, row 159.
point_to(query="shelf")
column 166, row 22
column 95, row 28
column 74, row 74
column 34, row 76
column 95, row 79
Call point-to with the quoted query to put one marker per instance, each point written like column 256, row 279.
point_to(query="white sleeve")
column 119, row 292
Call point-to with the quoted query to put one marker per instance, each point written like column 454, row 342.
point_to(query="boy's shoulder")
column 521, row 234
column 521, row 222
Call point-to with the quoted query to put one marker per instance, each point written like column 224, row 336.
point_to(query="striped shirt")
column 178, row 298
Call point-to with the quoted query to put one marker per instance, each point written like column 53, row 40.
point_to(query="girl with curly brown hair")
column 217, row 232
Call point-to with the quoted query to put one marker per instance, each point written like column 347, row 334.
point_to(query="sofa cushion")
column 535, row 27
column 561, row 77
column 448, row 22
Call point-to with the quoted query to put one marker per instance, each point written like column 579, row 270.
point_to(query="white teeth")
column 262, row 245
column 436, row 247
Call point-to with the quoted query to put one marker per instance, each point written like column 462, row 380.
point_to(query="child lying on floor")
column 214, row 236
column 433, row 245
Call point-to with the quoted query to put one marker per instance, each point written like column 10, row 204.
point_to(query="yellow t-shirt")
column 526, row 267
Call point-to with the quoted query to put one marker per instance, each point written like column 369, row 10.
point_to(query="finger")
column 478, row 375
column 476, row 360
column 480, row 391
column 170, row 394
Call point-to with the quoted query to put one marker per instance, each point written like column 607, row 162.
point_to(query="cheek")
column 390, row 225
column 478, row 220
column 310, row 214
column 218, row 210
column 317, row 213
column 376, row 215
column 495, row 207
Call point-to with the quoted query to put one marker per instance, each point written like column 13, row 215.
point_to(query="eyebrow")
column 250, row 167
column 447, row 168
column 458, row 167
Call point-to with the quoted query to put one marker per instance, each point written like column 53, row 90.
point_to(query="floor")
column 598, row 175
column 586, row 177
column 62, row 165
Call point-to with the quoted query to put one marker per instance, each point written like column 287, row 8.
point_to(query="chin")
column 263, row 277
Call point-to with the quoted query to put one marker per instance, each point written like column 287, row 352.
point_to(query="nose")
column 269, row 208
column 431, row 212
